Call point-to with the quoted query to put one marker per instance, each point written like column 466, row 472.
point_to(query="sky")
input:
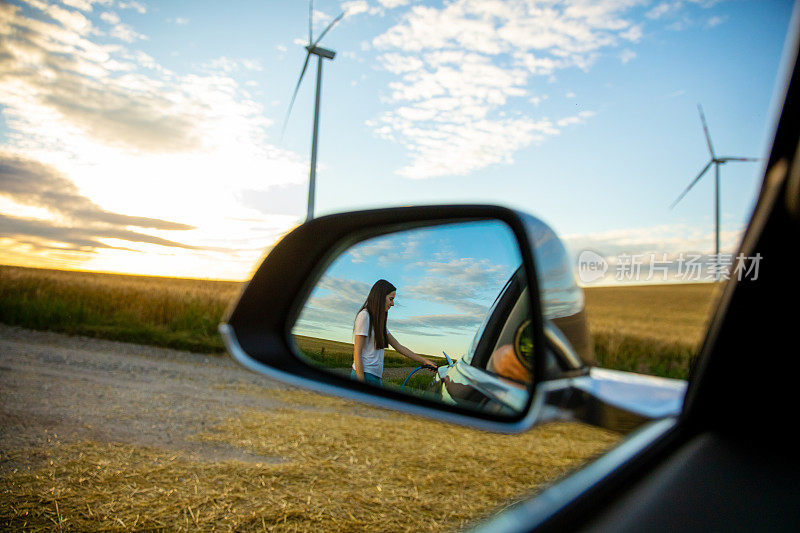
column 146, row 137
column 447, row 278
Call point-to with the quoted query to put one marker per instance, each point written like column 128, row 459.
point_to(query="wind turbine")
column 716, row 161
column 321, row 53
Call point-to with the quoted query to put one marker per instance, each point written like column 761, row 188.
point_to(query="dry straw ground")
column 342, row 469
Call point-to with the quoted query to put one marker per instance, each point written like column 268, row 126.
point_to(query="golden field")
column 667, row 313
column 649, row 329
column 343, row 468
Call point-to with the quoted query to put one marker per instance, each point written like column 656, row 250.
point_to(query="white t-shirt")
column 371, row 358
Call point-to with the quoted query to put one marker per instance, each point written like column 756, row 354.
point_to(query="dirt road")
column 55, row 388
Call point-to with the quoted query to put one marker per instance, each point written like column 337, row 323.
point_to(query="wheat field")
column 649, row 329
column 344, row 467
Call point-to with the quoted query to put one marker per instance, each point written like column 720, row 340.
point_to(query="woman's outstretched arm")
column 408, row 353
column 358, row 364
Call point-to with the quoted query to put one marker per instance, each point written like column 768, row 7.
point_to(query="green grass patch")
column 174, row 313
column 419, row 381
column 335, row 354
column 645, row 356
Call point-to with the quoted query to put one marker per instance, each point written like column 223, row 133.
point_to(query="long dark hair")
column 376, row 309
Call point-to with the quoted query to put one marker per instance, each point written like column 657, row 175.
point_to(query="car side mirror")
column 354, row 304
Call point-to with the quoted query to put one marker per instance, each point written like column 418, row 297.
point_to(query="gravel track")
column 59, row 389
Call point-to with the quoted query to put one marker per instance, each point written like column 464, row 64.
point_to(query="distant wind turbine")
column 321, row 53
column 716, row 161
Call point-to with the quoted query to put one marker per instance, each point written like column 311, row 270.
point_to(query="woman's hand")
column 428, row 364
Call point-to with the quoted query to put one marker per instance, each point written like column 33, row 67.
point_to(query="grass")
column 418, row 381
column 649, row 329
column 174, row 313
column 334, row 354
column 342, row 470
column 655, row 329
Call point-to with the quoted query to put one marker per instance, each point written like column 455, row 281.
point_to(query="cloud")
column 377, row 249
column 655, row 254
column 436, row 325
column 580, row 118
column 333, row 304
column 391, row 4
column 288, row 199
column 126, row 33
column 669, row 238
column 80, row 237
column 83, row 5
column 127, row 143
column 29, row 182
column 400, row 249
column 110, row 17
column 465, row 70
column 79, row 224
column 355, row 7
column 49, row 64
column 663, row 8
column 627, row 55
column 463, row 288
column 465, row 145
column 226, row 65
column 321, row 18
column 462, row 65
column 465, row 284
column 132, row 4
column 675, row 10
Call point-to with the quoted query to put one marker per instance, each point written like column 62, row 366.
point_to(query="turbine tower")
column 717, row 162
column 321, row 53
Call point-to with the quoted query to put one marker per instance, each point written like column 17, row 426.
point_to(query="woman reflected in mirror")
column 371, row 335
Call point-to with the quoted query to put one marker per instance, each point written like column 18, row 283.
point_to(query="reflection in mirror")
column 438, row 311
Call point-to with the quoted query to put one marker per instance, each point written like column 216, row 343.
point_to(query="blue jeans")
column 372, row 379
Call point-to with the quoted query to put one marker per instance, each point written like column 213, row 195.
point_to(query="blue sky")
column 447, row 277
column 145, row 137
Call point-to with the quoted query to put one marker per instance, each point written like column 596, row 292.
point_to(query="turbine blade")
column 692, row 184
column 326, row 30
column 294, row 95
column 705, row 130
column 739, row 159
column 310, row 20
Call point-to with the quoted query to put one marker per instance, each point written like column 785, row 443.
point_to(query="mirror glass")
column 440, row 311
